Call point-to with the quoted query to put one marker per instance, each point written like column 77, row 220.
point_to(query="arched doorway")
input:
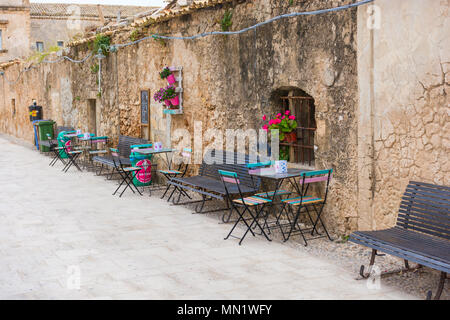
column 300, row 104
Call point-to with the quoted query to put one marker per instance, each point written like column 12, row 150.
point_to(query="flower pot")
column 175, row 101
column 290, row 137
column 167, row 103
column 171, row 79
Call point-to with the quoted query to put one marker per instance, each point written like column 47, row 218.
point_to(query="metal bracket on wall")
column 178, row 73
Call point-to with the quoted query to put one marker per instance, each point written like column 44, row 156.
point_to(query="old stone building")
column 54, row 24
column 25, row 27
column 374, row 80
column 14, row 29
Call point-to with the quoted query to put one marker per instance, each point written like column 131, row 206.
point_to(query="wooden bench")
column 208, row 183
column 124, row 151
column 421, row 235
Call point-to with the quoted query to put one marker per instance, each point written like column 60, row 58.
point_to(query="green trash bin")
column 143, row 177
column 44, row 128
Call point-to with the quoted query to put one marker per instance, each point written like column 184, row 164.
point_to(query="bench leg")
column 440, row 288
column 372, row 262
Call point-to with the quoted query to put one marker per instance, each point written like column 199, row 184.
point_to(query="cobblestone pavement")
column 56, row 227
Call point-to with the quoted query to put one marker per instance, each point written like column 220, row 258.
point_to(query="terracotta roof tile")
column 91, row 11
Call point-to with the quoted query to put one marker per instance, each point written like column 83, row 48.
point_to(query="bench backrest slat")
column 228, row 161
column 426, row 208
column 125, row 143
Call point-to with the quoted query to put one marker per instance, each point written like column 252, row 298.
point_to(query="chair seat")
column 270, row 193
column 252, row 201
column 306, row 200
column 132, row 169
column 170, row 171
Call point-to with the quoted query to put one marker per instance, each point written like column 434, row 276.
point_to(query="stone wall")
column 229, row 81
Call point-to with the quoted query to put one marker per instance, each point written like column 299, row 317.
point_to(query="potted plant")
column 168, row 95
column 158, row 96
column 167, row 74
column 286, row 124
column 171, row 95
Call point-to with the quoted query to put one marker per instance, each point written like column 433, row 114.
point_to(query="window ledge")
column 3, row 51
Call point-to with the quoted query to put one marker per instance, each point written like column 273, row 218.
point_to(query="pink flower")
column 292, row 117
column 265, row 127
column 287, row 112
column 271, row 122
column 278, row 115
column 264, row 117
column 283, row 117
column 277, row 121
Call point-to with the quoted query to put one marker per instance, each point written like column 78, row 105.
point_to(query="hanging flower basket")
column 171, row 79
column 175, row 101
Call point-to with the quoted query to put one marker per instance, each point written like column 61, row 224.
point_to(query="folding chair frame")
column 306, row 179
column 126, row 175
column 232, row 177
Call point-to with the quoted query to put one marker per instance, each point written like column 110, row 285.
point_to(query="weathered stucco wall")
column 404, row 112
column 51, row 30
column 15, row 27
column 228, row 83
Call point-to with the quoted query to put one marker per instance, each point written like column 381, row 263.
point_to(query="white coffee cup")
column 157, row 146
column 281, row 166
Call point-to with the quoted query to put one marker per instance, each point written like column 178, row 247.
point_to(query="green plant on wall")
column 136, row 34
column 101, row 42
column 40, row 56
column 95, row 68
column 226, row 22
column 160, row 40
column 291, row 2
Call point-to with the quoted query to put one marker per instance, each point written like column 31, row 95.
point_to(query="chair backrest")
column 310, row 177
column 116, row 157
column 426, row 208
column 230, row 177
column 216, row 160
column 125, row 143
column 316, row 176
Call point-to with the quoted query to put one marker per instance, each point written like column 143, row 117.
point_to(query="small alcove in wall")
column 301, row 105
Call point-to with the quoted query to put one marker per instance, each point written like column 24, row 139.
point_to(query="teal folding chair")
column 306, row 204
column 254, row 205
